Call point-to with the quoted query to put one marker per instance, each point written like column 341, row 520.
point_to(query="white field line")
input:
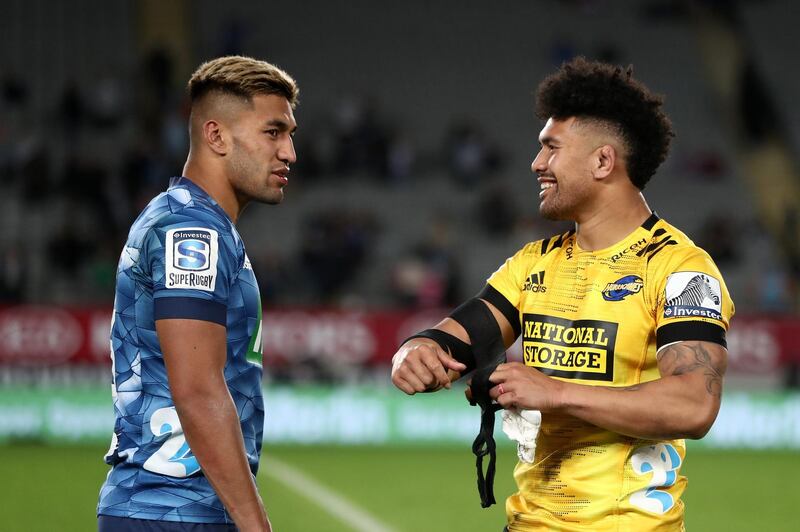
column 331, row 502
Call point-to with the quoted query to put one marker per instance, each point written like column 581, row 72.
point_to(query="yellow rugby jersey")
column 598, row 318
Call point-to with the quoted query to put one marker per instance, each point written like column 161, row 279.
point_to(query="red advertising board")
column 37, row 335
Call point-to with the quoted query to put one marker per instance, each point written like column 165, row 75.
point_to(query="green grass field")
column 48, row 488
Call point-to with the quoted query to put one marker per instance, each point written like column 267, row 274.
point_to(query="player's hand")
column 525, row 388
column 421, row 365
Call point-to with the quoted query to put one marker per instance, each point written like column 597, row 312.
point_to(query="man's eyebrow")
column 548, row 140
column 280, row 124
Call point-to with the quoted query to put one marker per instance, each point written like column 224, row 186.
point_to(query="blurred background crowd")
column 412, row 182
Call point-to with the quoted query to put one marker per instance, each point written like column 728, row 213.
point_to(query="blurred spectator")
column 68, row 251
column 231, row 37
column 361, row 138
column 469, row 154
column 274, row 275
column 401, row 159
column 85, row 183
column 335, row 245
column 32, row 161
column 497, row 211
column 70, row 112
column 704, row 163
column 774, row 289
column 760, row 118
column 718, row 236
column 13, row 273
column 428, row 276
column 102, row 268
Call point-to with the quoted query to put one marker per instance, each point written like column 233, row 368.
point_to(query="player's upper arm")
column 194, row 354
column 701, row 367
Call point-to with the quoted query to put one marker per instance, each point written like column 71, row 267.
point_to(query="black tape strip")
column 490, row 294
column 484, row 444
column 459, row 350
column 480, row 324
column 686, row 331
column 489, row 351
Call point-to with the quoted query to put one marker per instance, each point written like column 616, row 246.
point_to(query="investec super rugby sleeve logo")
column 693, row 294
column 191, row 260
column 579, row 349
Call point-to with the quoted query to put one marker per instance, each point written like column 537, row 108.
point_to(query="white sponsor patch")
column 692, row 294
column 191, row 260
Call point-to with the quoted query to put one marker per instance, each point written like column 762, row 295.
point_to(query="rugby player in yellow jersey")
column 623, row 320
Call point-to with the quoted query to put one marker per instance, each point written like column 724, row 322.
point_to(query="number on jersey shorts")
column 661, row 461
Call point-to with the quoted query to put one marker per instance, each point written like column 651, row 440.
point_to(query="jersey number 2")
column 663, row 462
column 173, row 458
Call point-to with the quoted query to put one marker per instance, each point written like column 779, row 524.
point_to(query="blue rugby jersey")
column 183, row 259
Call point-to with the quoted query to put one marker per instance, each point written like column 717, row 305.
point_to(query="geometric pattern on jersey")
column 154, row 474
column 598, row 318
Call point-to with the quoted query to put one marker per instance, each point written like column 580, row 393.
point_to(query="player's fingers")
column 419, row 376
column 468, row 394
column 422, row 366
column 438, row 370
column 505, row 398
column 406, row 373
column 500, row 374
column 496, row 391
column 409, row 388
column 451, row 363
column 505, row 371
column 403, row 385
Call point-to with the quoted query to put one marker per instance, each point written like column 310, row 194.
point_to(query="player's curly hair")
column 598, row 91
column 242, row 76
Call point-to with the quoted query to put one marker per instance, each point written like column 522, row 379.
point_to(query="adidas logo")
column 535, row 283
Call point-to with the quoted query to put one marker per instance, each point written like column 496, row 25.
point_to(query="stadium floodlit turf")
column 47, row 488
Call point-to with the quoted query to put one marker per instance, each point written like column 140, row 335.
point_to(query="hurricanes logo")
column 535, row 283
column 622, row 288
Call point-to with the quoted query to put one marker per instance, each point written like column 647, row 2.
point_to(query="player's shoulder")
column 669, row 245
column 181, row 207
column 183, row 211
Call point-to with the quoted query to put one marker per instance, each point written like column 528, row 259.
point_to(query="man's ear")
column 215, row 137
column 605, row 159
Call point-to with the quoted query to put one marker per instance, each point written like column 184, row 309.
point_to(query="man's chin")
column 273, row 200
column 549, row 212
column 273, row 197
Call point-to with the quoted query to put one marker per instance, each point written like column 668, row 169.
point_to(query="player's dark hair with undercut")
column 598, row 91
column 241, row 76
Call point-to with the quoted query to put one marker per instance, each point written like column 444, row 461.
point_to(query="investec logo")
column 535, row 283
column 579, row 349
column 191, row 260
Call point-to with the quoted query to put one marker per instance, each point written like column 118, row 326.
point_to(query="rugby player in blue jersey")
column 186, row 331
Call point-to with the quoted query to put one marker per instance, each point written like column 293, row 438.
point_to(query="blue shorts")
column 107, row 523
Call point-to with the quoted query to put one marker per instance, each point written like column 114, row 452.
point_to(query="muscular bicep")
column 194, row 354
column 704, row 362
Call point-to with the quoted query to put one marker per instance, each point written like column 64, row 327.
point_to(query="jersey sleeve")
column 690, row 299
column 191, row 266
column 504, row 287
